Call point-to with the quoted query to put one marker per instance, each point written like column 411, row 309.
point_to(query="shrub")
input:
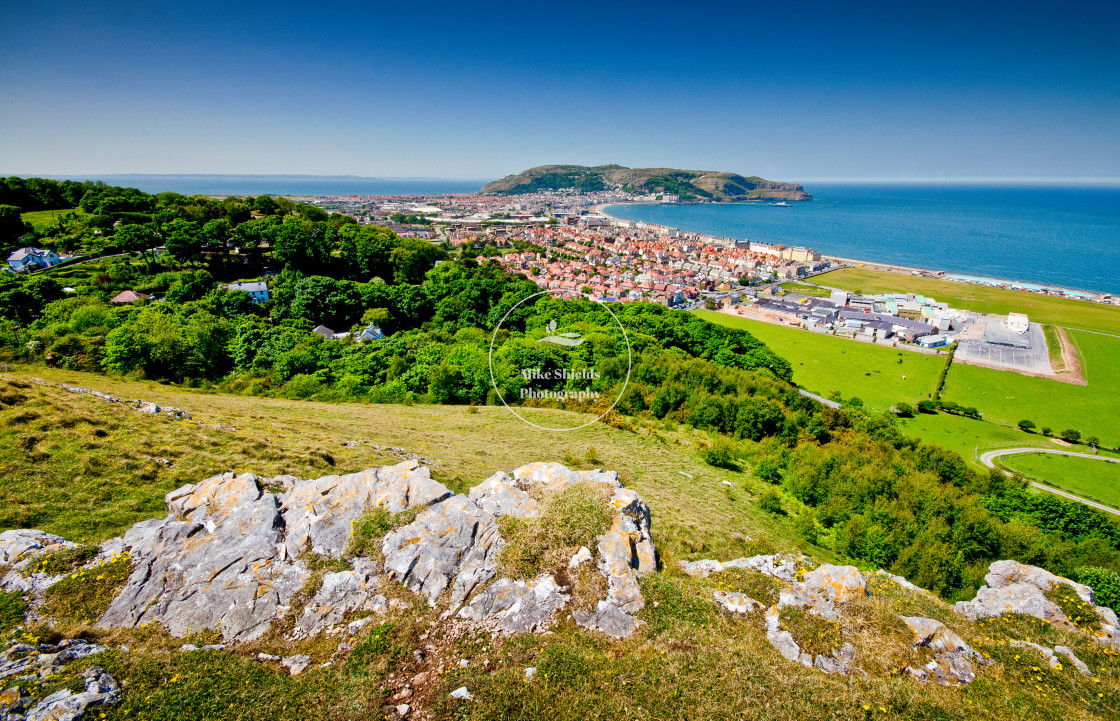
column 1105, row 584
column 302, row 386
column 1026, row 425
column 720, row 454
column 1070, row 435
column 771, row 502
column 903, row 410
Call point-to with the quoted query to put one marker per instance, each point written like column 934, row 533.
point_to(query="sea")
column 311, row 185
column 1061, row 236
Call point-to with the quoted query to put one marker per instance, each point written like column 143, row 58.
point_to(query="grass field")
column 823, row 364
column 1040, row 308
column 1097, row 480
column 48, row 218
column 86, row 469
column 1010, row 397
column 810, row 290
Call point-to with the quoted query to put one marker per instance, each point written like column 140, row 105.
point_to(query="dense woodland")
column 869, row 492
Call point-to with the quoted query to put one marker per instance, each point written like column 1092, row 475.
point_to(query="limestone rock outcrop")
column 952, row 661
column 1012, row 587
column 226, row 555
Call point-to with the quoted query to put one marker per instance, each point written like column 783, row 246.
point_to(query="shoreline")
column 1097, row 297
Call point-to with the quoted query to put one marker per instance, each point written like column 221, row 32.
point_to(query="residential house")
column 29, row 259
column 258, row 290
column 128, row 296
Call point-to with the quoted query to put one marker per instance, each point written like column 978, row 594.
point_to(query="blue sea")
column 316, row 185
column 1064, row 236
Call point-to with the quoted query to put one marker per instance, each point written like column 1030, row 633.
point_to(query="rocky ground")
column 242, row 558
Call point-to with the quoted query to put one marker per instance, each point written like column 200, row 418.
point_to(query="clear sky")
column 789, row 91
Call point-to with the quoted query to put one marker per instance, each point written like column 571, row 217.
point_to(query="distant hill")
column 688, row 184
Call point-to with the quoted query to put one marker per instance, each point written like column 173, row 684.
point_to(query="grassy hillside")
column 688, row 659
column 1040, row 308
column 86, row 469
column 42, row 219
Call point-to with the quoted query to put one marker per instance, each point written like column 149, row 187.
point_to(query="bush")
column 1105, row 584
column 903, row 410
column 720, row 454
column 1025, row 425
column 302, row 386
column 1069, row 435
column 771, row 502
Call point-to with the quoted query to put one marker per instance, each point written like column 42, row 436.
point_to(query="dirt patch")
column 1071, row 359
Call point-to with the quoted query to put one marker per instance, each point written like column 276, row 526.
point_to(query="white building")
column 28, row 259
column 258, row 291
column 1018, row 322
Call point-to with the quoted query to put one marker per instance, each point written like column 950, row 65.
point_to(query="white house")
column 28, row 259
column 371, row 332
column 258, row 291
column 1018, row 322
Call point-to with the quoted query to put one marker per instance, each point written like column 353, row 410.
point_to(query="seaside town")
column 568, row 243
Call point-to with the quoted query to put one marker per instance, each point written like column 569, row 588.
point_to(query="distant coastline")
column 886, row 266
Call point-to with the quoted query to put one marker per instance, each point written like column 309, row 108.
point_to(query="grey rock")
column 517, row 606
column 701, row 569
column 296, row 664
column 530, row 672
column 737, row 602
column 188, row 647
column 65, row 705
column 607, row 618
column 23, row 544
column 780, row 639
column 1077, row 663
column 1022, row 598
column 582, row 556
column 342, row 593
column 226, row 556
column 836, row 583
column 452, row 543
column 402, row 709
column 952, row 661
column 831, row 664
column 461, row 693
column 319, row 512
column 626, row 550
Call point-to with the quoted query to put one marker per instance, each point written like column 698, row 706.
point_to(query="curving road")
column 988, row 459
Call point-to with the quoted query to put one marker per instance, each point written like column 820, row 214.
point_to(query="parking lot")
column 989, row 342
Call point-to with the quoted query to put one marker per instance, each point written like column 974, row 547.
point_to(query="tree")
column 1047, row 430
column 1092, row 441
column 265, row 205
column 216, row 233
column 183, row 240
column 903, row 410
column 1026, row 425
column 12, row 225
column 137, row 239
column 927, row 406
column 1070, row 435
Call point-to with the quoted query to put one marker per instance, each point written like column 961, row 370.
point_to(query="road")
column 988, row 459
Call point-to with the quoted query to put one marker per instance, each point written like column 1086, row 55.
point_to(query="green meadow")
column 880, row 377
column 1097, row 480
column 48, row 218
column 1040, row 308
column 1006, row 397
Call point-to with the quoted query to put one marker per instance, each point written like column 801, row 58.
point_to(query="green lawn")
column 1007, row 397
column 1040, row 308
column 823, row 364
column 804, row 289
column 1097, row 480
column 48, row 218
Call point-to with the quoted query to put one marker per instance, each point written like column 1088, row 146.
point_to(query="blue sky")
column 791, row 91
